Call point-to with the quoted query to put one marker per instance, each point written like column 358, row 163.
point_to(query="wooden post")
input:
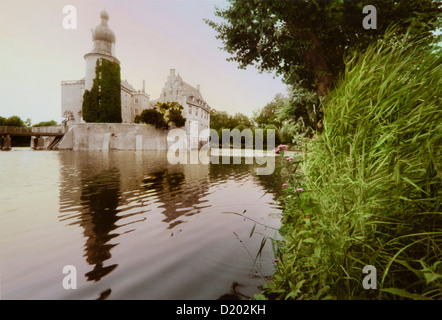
column 6, row 143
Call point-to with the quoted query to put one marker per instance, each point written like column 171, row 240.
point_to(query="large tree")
column 306, row 41
column 102, row 103
column 268, row 115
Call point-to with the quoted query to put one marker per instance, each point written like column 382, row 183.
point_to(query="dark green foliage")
column 268, row 115
column 152, row 117
column 15, row 121
column 162, row 115
column 177, row 118
column 110, row 103
column 305, row 41
column 46, row 123
column 103, row 102
column 91, row 103
column 222, row 120
column 302, row 110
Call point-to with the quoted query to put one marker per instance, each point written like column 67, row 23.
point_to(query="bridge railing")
column 37, row 130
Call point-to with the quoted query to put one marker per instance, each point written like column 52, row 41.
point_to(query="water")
column 133, row 226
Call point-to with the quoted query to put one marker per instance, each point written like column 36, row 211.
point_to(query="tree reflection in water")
column 99, row 197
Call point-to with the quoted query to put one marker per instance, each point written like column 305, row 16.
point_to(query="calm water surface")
column 134, row 226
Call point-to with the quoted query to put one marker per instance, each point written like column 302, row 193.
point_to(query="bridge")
column 38, row 142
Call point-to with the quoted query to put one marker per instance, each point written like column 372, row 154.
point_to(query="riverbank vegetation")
column 369, row 187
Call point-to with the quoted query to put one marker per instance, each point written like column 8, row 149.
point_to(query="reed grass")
column 372, row 183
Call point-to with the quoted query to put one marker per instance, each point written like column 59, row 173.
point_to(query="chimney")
column 172, row 72
column 144, row 85
column 198, row 87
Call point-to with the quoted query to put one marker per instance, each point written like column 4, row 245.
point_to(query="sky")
column 152, row 37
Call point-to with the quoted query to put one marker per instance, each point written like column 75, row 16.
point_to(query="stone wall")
column 72, row 99
column 41, row 142
column 113, row 136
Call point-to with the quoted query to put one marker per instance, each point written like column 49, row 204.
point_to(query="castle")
column 133, row 102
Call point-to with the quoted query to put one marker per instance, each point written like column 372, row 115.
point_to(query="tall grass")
column 372, row 183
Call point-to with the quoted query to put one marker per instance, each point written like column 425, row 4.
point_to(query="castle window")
column 190, row 109
column 136, row 100
column 136, row 111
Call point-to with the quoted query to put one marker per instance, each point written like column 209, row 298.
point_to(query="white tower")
column 104, row 47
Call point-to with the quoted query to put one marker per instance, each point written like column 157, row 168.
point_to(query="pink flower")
column 289, row 159
column 299, row 190
column 283, row 146
column 284, row 185
column 276, row 150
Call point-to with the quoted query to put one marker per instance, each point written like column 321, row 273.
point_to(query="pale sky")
column 37, row 53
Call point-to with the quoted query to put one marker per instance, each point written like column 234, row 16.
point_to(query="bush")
column 163, row 114
column 372, row 183
column 152, row 117
column 46, row 123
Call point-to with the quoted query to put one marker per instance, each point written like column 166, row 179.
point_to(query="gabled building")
column 196, row 110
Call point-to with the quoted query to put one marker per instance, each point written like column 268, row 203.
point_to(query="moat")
column 133, row 226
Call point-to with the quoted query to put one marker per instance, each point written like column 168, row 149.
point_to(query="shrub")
column 152, row 117
column 163, row 114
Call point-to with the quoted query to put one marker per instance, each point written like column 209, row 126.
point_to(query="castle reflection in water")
column 111, row 193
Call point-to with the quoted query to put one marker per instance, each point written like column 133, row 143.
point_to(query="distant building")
column 133, row 102
column 196, row 110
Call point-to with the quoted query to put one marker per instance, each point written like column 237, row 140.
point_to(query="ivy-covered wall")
column 103, row 102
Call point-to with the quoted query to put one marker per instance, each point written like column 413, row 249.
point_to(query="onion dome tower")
column 103, row 48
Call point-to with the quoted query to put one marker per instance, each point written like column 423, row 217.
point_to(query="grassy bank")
column 370, row 189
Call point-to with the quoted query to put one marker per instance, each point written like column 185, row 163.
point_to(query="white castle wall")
column 113, row 136
column 72, row 99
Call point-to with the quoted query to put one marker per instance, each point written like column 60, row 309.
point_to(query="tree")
column 222, row 120
column 102, row 103
column 163, row 114
column 46, row 123
column 240, row 119
column 15, row 121
column 268, row 115
column 305, row 41
column 152, row 117
column 176, row 117
column 302, row 107
column 110, row 103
